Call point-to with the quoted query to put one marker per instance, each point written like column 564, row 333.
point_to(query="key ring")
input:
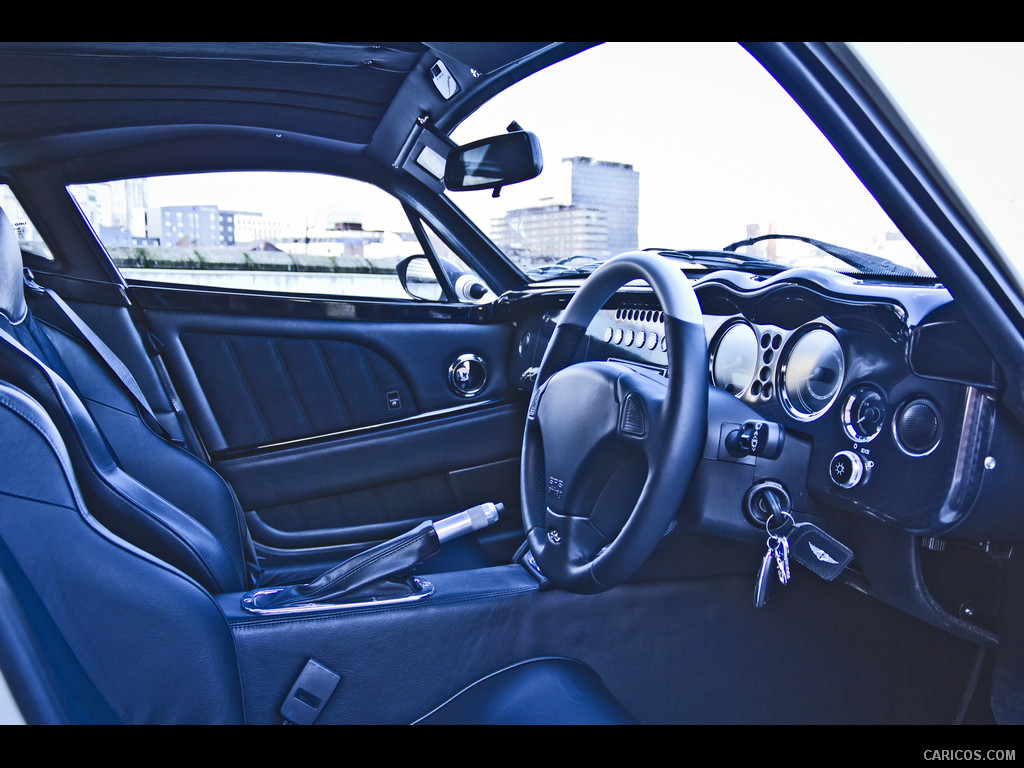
column 782, row 529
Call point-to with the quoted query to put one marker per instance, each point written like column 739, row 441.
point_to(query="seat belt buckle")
column 308, row 697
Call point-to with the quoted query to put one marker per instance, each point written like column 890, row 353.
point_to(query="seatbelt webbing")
column 106, row 354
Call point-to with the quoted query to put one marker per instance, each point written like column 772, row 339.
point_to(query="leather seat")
column 95, row 630
column 143, row 487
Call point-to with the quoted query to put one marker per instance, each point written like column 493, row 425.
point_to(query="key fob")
column 814, row 549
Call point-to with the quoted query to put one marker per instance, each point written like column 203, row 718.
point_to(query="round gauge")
column 735, row 359
column 812, row 374
column 864, row 414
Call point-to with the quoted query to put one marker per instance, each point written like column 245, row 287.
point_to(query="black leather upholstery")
column 95, row 630
column 108, row 633
column 144, row 488
column 181, row 535
column 293, row 387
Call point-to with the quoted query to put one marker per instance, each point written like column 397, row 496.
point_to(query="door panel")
column 335, row 421
column 290, row 388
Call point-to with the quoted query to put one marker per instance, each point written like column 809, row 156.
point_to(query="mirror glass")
column 494, row 162
column 418, row 279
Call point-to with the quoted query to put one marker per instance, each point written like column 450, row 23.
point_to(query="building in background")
column 599, row 220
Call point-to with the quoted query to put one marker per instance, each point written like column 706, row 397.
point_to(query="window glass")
column 290, row 232
column 28, row 237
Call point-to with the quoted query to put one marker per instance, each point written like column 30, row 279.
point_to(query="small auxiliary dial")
column 847, row 469
column 864, row 413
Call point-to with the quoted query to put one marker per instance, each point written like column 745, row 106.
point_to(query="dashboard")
column 887, row 398
column 894, row 439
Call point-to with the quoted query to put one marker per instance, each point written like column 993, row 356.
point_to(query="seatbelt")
column 112, row 361
column 154, row 348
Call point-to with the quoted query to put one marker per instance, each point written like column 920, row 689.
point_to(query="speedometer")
column 735, row 358
column 812, row 374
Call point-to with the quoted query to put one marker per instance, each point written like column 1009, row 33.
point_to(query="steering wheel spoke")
column 640, row 395
column 609, row 449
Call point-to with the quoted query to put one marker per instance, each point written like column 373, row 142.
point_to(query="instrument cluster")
column 803, row 368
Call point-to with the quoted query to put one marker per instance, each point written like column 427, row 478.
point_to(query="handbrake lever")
column 383, row 572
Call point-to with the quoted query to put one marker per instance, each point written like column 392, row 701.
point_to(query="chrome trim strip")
column 424, row 589
column 455, row 410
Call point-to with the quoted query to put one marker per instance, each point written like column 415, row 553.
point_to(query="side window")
column 28, row 237
column 281, row 232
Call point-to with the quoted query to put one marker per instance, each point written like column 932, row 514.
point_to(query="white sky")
column 719, row 144
column 965, row 101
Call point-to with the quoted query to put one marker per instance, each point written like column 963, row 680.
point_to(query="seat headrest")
column 12, row 286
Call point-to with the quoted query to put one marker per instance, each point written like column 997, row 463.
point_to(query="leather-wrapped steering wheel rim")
column 663, row 422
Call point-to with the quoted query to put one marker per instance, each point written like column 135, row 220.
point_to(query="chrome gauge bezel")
column 847, row 416
column 769, row 341
column 716, row 346
column 784, row 370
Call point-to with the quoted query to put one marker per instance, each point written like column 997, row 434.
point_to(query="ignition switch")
column 764, row 500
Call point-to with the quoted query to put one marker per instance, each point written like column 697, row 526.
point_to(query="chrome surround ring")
column 467, row 376
column 784, row 371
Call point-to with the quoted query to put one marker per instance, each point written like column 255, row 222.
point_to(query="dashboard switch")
column 847, row 469
column 756, row 438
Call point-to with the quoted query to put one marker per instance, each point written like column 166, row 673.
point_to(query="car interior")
column 680, row 487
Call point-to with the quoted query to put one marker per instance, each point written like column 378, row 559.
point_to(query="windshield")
column 677, row 146
column 963, row 111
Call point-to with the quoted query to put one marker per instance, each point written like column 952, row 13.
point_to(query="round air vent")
column 917, row 427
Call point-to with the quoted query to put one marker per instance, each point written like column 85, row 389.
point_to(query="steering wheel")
column 609, row 449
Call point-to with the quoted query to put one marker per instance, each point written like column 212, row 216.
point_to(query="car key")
column 780, row 548
column 763, row 585
column 813, row 548
column 778, row 538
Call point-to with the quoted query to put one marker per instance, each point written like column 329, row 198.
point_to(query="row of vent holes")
column 640, row 315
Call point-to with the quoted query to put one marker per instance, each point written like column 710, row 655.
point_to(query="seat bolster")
column 120, row 636
column 122, row 504
column 147, row 456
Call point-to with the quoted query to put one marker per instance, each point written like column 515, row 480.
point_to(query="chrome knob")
column 847, row 469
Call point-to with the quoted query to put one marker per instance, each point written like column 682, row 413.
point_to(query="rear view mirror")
column 494, row 162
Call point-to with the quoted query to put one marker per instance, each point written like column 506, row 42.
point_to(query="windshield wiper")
column 722, row 259
column 563, row 269
column 707, row 259
column 865, row 262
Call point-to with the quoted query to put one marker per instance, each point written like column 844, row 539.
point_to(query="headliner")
column 59, row 101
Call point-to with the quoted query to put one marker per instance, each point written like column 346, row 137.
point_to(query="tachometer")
column 812, row 374
column 735, row 358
